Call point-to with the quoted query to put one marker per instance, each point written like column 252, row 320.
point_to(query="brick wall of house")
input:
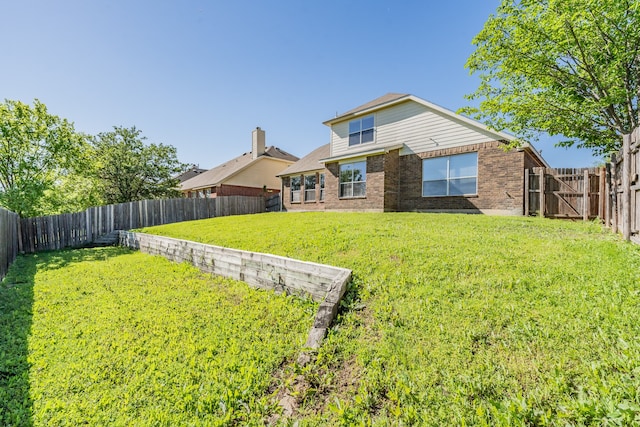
column 392, row 181
column 314, row 205
column 374, row 200
column 500, row 181
column 237, row 190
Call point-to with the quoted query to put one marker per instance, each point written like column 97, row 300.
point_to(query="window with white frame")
column 455, row 175
column 295, row 189
column 321, row 186
column 353, row 179
column 310, row 188
column 361, row 131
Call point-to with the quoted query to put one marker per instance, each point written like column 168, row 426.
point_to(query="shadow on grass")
column 351, row 300
column 16, row 312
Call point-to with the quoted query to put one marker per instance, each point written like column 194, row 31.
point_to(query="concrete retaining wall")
column 323, row 283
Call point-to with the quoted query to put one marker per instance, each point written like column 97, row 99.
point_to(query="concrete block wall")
column 323, row 283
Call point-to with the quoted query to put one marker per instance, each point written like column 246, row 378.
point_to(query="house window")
column 321, row 186
column 361, row 131
column 353, row 179
column 310, row 188
column 295, row 189
column 450, row 175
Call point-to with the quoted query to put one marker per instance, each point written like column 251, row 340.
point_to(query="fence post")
column 605, row 193
column 615, row 208
column 626, row 187
column 602, row 189
column 526, row 192
column 586, row 202
column 542, row 190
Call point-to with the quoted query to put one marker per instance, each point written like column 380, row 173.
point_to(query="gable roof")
column 308, row 163
column 221, row 173
column 371, row 105
column 391, row 99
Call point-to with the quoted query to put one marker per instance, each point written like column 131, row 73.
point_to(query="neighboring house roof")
column 391, row 99
column 308, row 163
column 221, row 173
column 193, row 171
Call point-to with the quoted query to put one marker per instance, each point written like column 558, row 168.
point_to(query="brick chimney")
column 257, row 146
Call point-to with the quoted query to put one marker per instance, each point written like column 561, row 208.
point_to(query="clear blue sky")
column 201, row 75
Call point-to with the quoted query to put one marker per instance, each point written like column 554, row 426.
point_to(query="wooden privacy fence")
column 623, row 187
column 566, row 193
column 9, row 239
column 84, row 228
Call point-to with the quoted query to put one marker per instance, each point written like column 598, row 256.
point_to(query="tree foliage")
column 129, row 170
column 36, row 148
column 564, row 67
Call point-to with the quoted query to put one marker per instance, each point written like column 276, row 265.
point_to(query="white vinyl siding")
column 414, row 125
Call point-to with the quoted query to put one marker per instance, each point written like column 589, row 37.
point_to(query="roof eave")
column 300, row 172
column 363, row 153
column 532, row 149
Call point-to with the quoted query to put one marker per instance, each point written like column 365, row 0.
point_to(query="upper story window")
column 309, row 188
column 353, row 179
column 361, row 131
column 295, row 189
column 450, row 175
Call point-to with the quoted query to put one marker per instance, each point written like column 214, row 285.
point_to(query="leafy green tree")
column 128, row 170
column 36, row 148
column 564, row 67
column 73, row 192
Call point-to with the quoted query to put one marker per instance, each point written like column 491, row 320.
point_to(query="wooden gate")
column 624, row 186
column 566, row 193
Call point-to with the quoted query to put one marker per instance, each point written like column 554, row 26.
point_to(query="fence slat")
column 84, row 228
column 9, row 228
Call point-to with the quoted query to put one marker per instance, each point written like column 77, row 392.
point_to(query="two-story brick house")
column 402, row 153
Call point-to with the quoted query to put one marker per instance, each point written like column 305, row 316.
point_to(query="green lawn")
column 457, row 319
column 118, row 338
column 450, row 320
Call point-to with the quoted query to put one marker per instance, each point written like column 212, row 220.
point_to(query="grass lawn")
column 118, row 338
column 458, row 319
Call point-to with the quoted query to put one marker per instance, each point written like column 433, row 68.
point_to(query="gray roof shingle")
column 308, row 163
column 384, row 99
